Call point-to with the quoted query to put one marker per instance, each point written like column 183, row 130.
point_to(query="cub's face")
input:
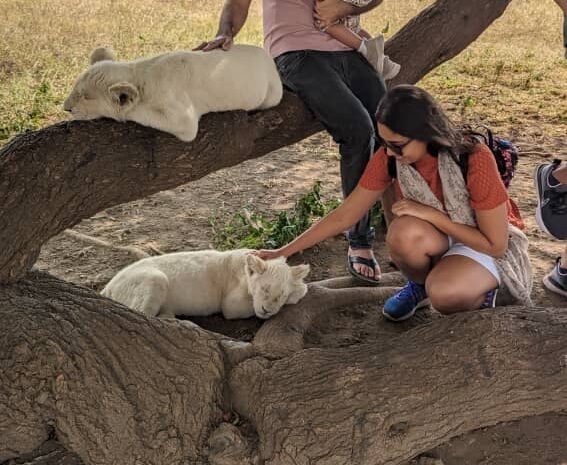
column 89, row 99
column 273, row 284
column 103, row 90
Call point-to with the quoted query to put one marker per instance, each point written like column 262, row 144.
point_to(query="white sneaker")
column 391, row 68
column 380, row 62
column 375, row 53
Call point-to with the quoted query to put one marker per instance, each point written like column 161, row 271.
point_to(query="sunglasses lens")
column 396, row 150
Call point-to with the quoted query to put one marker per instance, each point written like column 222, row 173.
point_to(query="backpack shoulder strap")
column 464, row 165
column 392, row 168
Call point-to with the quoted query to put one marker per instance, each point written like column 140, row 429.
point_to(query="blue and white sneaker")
column 490, row 299
column 405, row 302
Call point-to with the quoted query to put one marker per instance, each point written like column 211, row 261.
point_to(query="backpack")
column 505, row 153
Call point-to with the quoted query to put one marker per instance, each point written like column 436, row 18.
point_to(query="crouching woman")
column 455, row 236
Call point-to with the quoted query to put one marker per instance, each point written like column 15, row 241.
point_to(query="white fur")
column 200, row 283
column 171, row 92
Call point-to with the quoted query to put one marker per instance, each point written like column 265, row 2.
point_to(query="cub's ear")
column 255, row 264
column 124, row 95
column 101, row 54
column 300, row 271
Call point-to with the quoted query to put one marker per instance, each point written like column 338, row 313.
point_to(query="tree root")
column 135, row 252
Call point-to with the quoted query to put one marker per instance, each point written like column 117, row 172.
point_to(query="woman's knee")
column 445, row 300
column 448, row 296
column 407, row 234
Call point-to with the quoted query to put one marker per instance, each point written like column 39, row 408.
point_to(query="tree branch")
column 53, row 178
column 389, row 401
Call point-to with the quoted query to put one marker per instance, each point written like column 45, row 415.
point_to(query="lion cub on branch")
column 171, row 92
column 200, row 283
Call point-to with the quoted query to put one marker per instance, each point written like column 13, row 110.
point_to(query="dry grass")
column 514, row 77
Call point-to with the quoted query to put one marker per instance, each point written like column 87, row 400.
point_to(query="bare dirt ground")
column 179, row 219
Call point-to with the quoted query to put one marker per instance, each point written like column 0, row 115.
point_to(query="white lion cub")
column 199, row 283
column 170, row 92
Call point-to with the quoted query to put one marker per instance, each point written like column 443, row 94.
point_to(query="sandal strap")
column 369, row 262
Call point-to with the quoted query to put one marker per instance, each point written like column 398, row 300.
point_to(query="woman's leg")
column 560, row 173
column 458, row 283
column 414, row 246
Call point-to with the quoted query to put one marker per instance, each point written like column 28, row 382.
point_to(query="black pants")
column 343, row 91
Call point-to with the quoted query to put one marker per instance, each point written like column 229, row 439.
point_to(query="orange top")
column 484, row 184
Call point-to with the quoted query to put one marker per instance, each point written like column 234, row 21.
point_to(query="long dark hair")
column 412, row 112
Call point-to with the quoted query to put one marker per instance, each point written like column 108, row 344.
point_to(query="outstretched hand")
column 268, row 254
column 415, row 209
column 222, row 41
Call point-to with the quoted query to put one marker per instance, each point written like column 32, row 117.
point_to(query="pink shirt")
column 288, row 26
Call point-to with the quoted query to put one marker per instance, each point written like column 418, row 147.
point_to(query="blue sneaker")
column 404, row 303
column 490, row 299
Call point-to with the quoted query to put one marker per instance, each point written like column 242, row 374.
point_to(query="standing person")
column 563, row 5
column 455, row 238
column 551, row 216
column 336, row 83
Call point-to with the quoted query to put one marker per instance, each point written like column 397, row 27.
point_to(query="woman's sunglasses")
column 397, row 149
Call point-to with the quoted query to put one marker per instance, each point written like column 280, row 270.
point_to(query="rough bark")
column 113, row 386
column 385, row 403
column 53, row 178
column 285, row 335
column 439, row 33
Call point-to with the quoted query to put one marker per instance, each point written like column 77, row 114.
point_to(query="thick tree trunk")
column 53, row 178
column 116, row 387
column 439, row 33
column 385, row 403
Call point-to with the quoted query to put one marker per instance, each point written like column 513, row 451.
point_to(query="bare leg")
column 561, row 173
column 388, row 199
column 414, row 246
column 344, row 35
column 458, row 284
column 364, row 34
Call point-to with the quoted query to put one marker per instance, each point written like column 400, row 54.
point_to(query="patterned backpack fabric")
column 505, row 153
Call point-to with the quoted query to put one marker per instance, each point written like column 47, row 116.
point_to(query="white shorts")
column 457, row 248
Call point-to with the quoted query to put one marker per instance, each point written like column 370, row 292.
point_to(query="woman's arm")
column 343, row 217
column 491, row 236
